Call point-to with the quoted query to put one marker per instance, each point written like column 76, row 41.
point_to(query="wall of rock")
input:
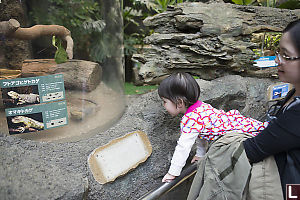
column 208, row 40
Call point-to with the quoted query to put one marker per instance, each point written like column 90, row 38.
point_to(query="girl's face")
column 171, row 107
column 288, row 70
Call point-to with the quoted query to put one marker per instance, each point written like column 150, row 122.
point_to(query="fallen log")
column 9, row 74
column 78, row 74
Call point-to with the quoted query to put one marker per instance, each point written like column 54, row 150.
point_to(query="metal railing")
column 167, row 187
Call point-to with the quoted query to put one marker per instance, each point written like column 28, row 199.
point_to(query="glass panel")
column 93, row 79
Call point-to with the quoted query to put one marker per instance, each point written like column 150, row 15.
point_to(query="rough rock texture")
column 210, row 40
column 246, row 94
column 39, row 170
column 13, row 51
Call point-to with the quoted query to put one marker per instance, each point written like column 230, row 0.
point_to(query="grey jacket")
column 226, row 174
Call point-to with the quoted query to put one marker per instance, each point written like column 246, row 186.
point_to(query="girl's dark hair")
column 180, row 86
column 293, row 28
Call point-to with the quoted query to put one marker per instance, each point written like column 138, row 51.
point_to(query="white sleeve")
column 182, row 151
column 201, row 147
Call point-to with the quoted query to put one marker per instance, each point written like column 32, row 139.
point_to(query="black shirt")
column 280, row 138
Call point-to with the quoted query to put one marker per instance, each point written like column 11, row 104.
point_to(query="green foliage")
column 77, row 18
column 93, row 26
column 272, row 41
column 163, row 4
column 81, row 11
column 291, row 4
column 100, row 49
column 83, row 19
column 132, row 17
column 129, row 14
column 60, row 54
column 269, row 41
column 131, row 89
column 130, row 41
column 243, row 2
column 257, row 52
column 267, row 3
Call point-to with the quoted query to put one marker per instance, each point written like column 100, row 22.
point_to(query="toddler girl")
column 180, row 93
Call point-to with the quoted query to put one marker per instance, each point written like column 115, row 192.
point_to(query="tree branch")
column 12, row 29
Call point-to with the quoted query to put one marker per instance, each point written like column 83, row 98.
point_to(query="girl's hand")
column 168, row 178
column 196, row 158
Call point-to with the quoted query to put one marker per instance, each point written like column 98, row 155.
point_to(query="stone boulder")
column 246, row 94
column 209, row 40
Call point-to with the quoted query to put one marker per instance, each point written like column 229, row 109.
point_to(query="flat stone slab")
column 119, row 156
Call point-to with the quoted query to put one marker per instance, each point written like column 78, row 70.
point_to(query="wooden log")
column 78, row 74
column 9, row 74
column 8, row 27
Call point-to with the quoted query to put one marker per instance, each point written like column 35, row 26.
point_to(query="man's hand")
column 168, row 178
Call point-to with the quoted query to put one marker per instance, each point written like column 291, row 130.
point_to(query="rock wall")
column 209, row 40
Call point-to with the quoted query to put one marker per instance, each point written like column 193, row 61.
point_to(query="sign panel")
column 33, row 90
column 278, row 91
column 292, row 192
column 35, row 103
column 266, row 61
column 37, row 117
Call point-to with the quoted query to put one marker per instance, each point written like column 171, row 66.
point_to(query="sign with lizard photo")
column 36, row 118
column 33, row 90
column 35, row 103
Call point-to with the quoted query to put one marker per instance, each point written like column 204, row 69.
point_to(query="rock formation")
column 208, row 40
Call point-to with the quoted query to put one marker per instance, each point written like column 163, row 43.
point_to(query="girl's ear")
column 180, row 103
